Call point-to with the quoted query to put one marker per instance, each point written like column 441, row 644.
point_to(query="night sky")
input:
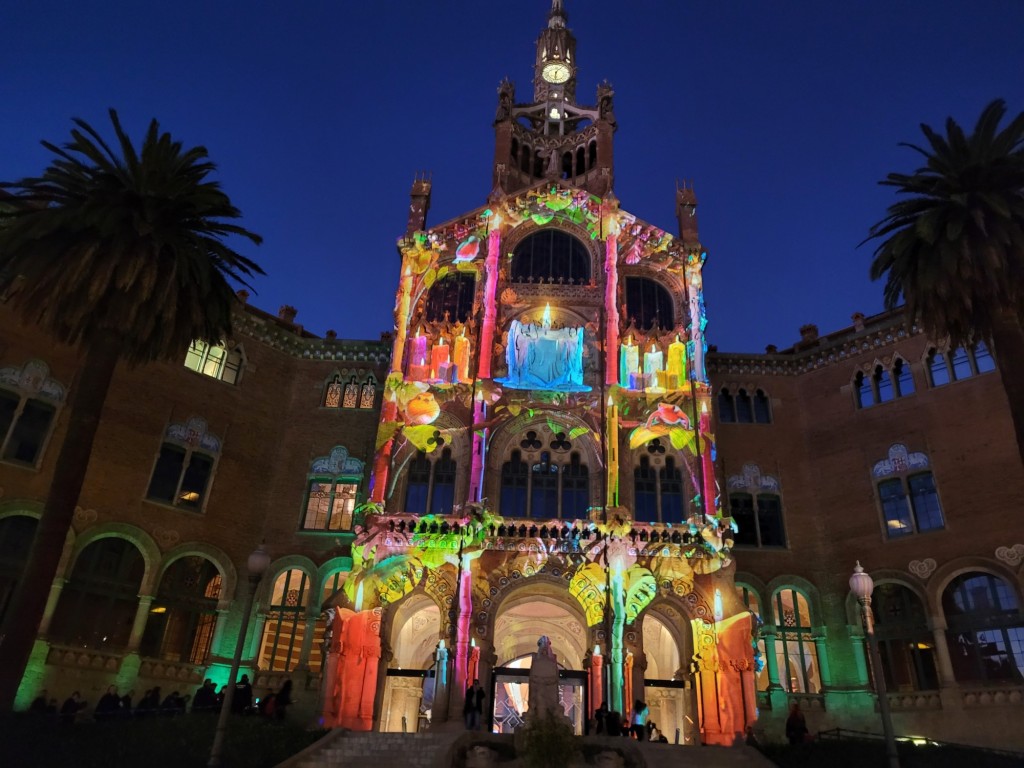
column 784, row 115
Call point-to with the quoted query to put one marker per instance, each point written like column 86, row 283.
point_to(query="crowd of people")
column 610, row 723
column 113, row 706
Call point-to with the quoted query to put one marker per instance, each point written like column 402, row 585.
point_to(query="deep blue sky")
column 785, row 115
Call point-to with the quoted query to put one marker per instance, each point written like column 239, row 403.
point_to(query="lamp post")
column 862, row 586
column 257, row 564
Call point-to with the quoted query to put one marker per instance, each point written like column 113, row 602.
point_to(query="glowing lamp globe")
column 258, row 562
column 861, row 584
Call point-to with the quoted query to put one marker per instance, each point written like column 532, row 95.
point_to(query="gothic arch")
column 675, row 284
column 326, row 570
column 145, row 543
column 528, row 227
column 551, row 591
column 887, row 576
column 507, row 438
column 457, row 439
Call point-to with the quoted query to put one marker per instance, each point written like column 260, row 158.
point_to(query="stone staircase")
column 376, row 750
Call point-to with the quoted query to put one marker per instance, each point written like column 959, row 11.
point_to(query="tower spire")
column 557, row 17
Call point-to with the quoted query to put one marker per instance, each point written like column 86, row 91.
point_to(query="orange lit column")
column 596, row 681
column 490, row 299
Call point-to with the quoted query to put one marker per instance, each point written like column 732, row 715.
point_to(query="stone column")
column 51, row 605
column 943, row 664
column 821, row 648
column 139, row 624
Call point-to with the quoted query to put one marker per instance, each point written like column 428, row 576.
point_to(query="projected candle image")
column 542, row 357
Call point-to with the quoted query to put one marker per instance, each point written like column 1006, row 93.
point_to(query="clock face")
column 555, row 72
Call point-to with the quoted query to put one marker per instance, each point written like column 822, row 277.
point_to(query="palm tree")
column 123, row 255
column 953, row 248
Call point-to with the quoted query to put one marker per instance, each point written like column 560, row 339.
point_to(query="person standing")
column 473, row 709
column 283, row 699
column 109, row 704
column 242, row 702
column 640, row 713
column 796, row 725
column 600, row 715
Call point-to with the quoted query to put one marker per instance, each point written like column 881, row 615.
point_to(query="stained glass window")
column 351, row 397
column 332, row 398
column 368, row 392
column 329, row 505
column 795, row 653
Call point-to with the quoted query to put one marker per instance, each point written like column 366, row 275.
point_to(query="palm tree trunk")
column 1008, row 337
column 33, row 589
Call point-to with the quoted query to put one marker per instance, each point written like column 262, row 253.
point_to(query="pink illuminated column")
column 479, row 458
column 401, row 317
column 490, row 299
column 611, row 305
column 462, row 624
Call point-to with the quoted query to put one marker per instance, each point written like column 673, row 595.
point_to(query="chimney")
column 771, row 349
column 243, row 296
column 331, row 335
column 419, row 204
column 858, row 321
column 287, row 313
column 808, row 333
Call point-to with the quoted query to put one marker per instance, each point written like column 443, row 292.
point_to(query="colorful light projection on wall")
column 654, row 375
column 544, row 358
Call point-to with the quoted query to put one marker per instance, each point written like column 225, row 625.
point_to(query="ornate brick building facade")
column 545, row 446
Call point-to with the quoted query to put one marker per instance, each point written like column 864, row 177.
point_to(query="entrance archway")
column 409, row 686
column 537, row 610
column 669, row 701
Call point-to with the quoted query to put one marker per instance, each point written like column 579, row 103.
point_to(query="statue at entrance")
column 544, row 683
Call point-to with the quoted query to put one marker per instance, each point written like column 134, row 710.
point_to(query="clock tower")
column 553, row 137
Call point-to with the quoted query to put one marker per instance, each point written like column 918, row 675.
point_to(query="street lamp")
column 257, row 564
column 862, row 586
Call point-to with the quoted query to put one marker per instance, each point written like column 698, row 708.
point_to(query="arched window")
column 545, row 481
column 753, row 603
column 331, row 490
column 762, row 408
column 985, row 629
column 515, row 479
column 905, row 643
column 215, row 361
column 369, row 391
column 671, row 482
column 183, row 616
column 28, row 405
column 907, row 493
column 351, row 397
column 442, row 492
column 551, row 256
column 795, row 653
column 98, row 604
column 184, row 468
column 645, row 491
column 883, row 384
column 16, row 534
column 581, row 161
column 958, row 364
column 903, row 376
column 544, row 487
column 756, row 506
column 525, row 155
column 332, row 393
column 575, row 488
column 649, row 304
column 285, row 628
column 514, row 153
column 451, row 298
column 726, row 407
column 744, row 408
column 938, row 369
column 431, row 484
column 865, row 393
column 592, row 155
